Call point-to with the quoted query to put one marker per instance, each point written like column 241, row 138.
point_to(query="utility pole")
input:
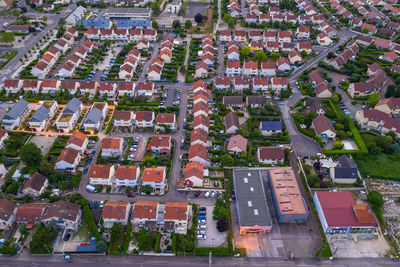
column 210, row 259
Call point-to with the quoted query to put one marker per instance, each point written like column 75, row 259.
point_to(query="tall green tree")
column 31, row 155
column 374, row 99
column 260, row 56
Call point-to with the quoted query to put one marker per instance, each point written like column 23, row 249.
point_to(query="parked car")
column 101, row 204
column 67, row 236
column 202, row 209
column 202, row 213
column 202, row 227
column 201, row 232
column 131, row 194
column 202, row 223
column 66, row 258
column 85, row 170
column 197, row 194
column 96, row 205
column 202, row 217
column 208, row 193
column 16, row 246
column 201, row 237
column 213, row 193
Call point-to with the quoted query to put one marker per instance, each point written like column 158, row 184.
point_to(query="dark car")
column 202, row 209
column 16, row 246
column 95, row 204
column 92, row 153
column 67, row 237
column 131, row 194
column 90, row 205
column 197, row 194
column 85, row 170
column 202, row 213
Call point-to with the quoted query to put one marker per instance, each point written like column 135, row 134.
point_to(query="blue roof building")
column 100, row 23
column 127, row 24
column 268, row 128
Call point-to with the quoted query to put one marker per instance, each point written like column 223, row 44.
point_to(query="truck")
column 91, row 188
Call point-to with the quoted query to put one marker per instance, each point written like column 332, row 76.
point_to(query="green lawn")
column 8, row 56
column 382, row 165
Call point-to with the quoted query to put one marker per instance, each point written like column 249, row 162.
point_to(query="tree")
column 337, row 145
column 176, row 24
column 101, row 246
column 31, row 154
column 391, row 91
column 365, row 30
column 335, row 98
column 44, row 18
column 232, row 22
column 147, row 189
column 154, row 24
column 61, row 22
column 46, row 168
column 7, row 37
column 188, row 24
column 102, row 4
column 198, row 18
column 227, row 160
column 376, row 200
column 260, row 56
column 274, row 56
column 374, row 99
column 156, row 10
column 245, row 51
column 222, row 225
column 220, row 210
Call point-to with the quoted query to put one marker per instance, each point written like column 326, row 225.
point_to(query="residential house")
column 345, row 171
column 198, row 136
column 144, row 119
column 176, row 214
column 194, row 174
column 231, row 123
column 156, row 178
column 42, row 116
column 201, row 69
column 145, row 89
column 115, row 212
column 233, row 68
column 323, row 127
column 145, row 214
column 166, row 120
column 237, row 144
column 160, row 144
column 101, row 174
column 390, row 106
column 123, row 118
column 126, row 175
column 314, row 105
column 68, row 160
column 198, row 153
column 269, row 128
column 35, row 185
column 8, row 209
column 232, row 101
column 69, row 115
column 112, row 147
column 270, row 155
column 12, row 86
column 78, row 141
column 30, row 214
column 15, row 116
column 64, row 214
column 256, row 101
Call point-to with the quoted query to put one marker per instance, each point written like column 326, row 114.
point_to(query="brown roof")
column 100, row 171
column 200, row 106
column 321, row 124
column 7, row 208
column 111, row 143
column 125, row 86
column 126, row 172
column 145, row 86
column 160, row 141
column 233, row 64
column 144, row 115
column 62, row 209
column 69, row 85
column 231, row 119
column 364, row 214
column 271, row 153
column 232, row 100
column 198, row 134
column 223, row 81
column 145, row 209
column 199, row 83
column 201, row 120
column 11, row 83
column 250, row 65
column 115, row 210
column 36, row 182
column 198, row 151
column 77, row 139
column 256, row 99
column 68, row 155
column 194, row 168
column 392, row 102
column 153, row 174
column 125, row 115
column 237, row 141
column 30, row 212
column 163, row 118
column 176, row 211
column 268, row 65
column 201, row 65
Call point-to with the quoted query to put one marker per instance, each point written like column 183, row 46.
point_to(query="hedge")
column 173, row 246
column 158, row 239
column 89, row 218
column 332, row 106
column 300, row 101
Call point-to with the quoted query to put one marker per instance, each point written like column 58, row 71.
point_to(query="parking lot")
column 214, row 238
column 43, row 142
column 140, row 150
column 195, row 8
column 173, row 97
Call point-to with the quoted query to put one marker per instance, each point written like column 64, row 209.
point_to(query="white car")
column 102, row 204
column 203, row 222
column 201, row 237
column 208, row 193
column 213, row 194
column 201, row 227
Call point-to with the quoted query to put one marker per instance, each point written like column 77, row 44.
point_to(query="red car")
column 83, row 244
column 197, row 194
column 131, row 194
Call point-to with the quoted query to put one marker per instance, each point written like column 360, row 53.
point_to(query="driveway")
column 214, row 237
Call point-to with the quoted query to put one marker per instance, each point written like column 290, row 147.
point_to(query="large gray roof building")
column 15, row 115
column 93, row 116
column 72, row 106
column 251, row 204
column 114, row 13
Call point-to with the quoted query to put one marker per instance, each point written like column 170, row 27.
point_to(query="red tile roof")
column 153, row 174
column 176, row 211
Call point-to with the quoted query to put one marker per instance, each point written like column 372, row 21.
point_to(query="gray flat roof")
column 251, row 203
column 116, row 10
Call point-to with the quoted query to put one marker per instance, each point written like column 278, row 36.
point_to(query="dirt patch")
column 209, row 18
column 43, row 142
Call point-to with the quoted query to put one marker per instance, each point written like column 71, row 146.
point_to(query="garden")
column 194, row 48
column 170, row 70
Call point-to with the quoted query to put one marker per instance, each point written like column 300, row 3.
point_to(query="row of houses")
column 376, row 81
column 271, row 43
column 128, row 176
column 165, row 56
column 264, row 84
column 144, row 119
column 75, row 59
column 51, row 56
column 378, row 120
column 151, row 215
column 207, row 56
column 198, row 160
column 130, row 64
column 112, row 90
column 132, row 35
